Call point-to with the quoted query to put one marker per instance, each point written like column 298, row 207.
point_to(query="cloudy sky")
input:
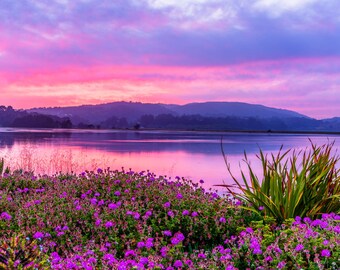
column 283, row 54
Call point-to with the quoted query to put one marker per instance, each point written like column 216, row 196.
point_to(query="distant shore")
column 182, row 130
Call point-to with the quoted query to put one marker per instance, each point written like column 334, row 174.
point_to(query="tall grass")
column 1, row 165
column 304, row 183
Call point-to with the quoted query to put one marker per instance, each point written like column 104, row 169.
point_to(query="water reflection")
column 196, row 155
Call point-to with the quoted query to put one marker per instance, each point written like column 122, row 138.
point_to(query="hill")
column 235, row 109
column 132, row 111
column 192, row 116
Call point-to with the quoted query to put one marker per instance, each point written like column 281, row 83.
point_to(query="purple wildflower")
column 325, row 253
column 281, row 265
column 164, row 251
column 149, row 243
column 178, row 264
column 101, row 202
column 38, row 235
column 185, row 213
column 238, row 202
column 268, row 259
column 148, row 214
column 180, row 236
column 6, row 216
column 143, row 260
column 189, row 262
column 194, row 214
column 109, row 224
column 299, row 247
column 307, row 220
column 92, row 260
column 249, row 230
column 98, row 222
column 93, row 201
column 167, row 205
column 167, row 233
column 140, row 244
column 201, row 256
column 222, row 220
column 130, row 253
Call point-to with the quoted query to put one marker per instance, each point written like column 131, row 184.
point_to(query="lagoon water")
column 194, row 155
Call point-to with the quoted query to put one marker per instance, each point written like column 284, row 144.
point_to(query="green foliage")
column 21, row 253
column 305, row 183
column 1, row 165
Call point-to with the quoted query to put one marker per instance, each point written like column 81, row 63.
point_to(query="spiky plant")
column 21, row 253
column 305, row 183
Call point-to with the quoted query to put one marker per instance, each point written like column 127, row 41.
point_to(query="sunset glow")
column 283, row 54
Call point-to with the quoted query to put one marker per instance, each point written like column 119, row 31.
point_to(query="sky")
column 283, row 54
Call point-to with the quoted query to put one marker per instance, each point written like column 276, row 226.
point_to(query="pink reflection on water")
column 49, row 159
column 50, row 155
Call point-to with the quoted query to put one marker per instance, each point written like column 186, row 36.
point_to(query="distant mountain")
column 96, row 114
column 332, row 123
column 192, row 116
column 237, row 109
column 132, row 111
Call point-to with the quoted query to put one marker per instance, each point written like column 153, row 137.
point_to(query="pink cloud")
column 307, row 86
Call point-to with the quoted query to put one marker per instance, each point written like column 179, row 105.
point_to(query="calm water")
column 195, row 155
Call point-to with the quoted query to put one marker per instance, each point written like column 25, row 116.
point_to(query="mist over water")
column 194, row 155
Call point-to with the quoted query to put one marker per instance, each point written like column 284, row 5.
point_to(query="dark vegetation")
column 20, row 118
column 221, row 116
column 193, row 116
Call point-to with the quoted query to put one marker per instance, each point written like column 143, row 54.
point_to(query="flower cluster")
column 127, row 220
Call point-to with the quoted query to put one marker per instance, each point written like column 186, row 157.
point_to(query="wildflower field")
column 135, row 220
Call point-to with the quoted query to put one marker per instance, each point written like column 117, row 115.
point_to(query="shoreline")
column 268, row 132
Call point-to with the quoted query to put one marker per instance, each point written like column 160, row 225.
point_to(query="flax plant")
column 20, row 253
column 304, row 183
